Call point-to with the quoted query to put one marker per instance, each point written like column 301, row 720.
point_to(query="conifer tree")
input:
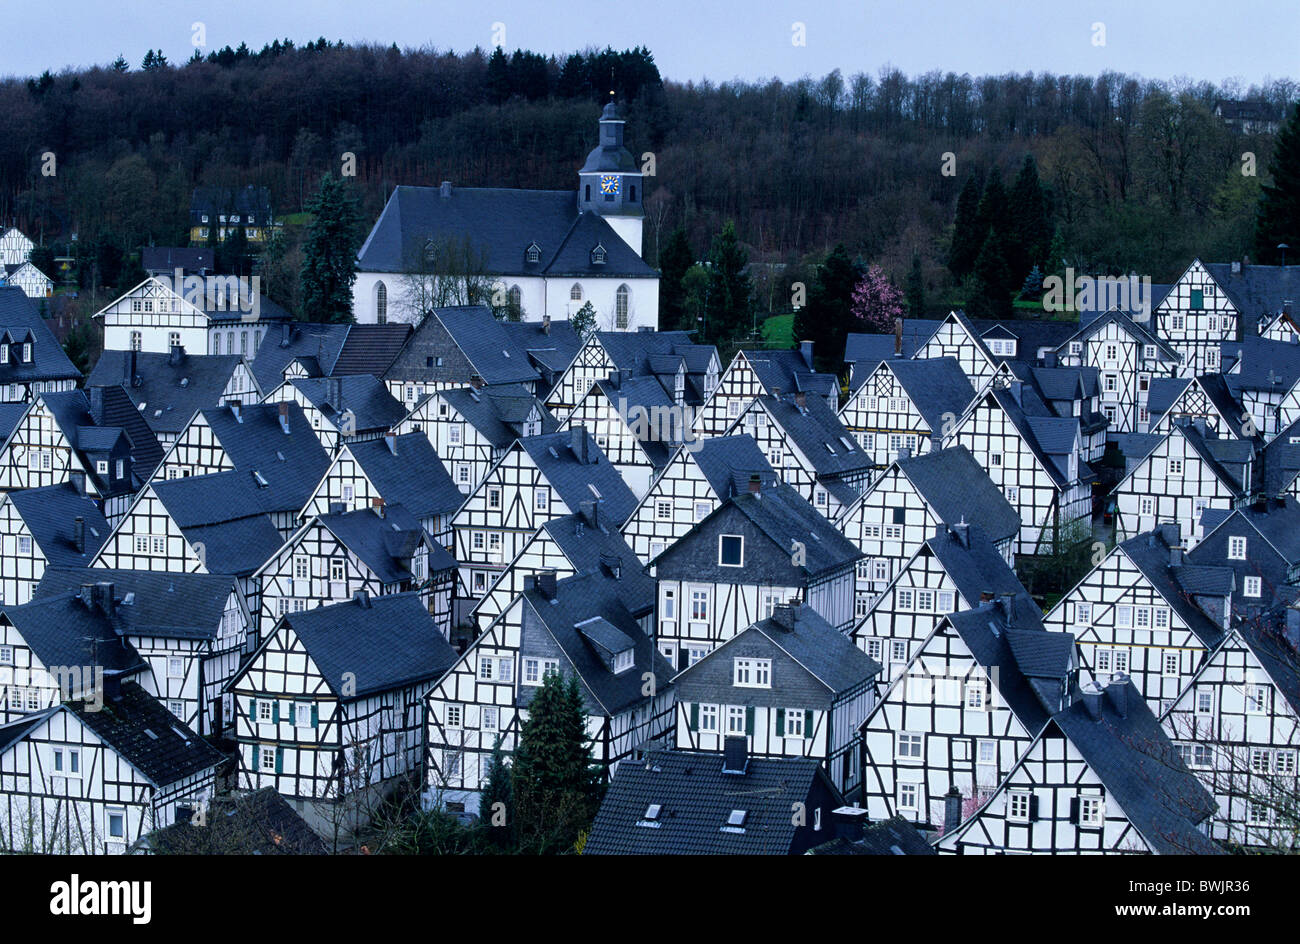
column 1030, row 233
column 828, row 316
column 329, row 263
column 1278, row 219
column 498, row 789
column 675, row 258
column 967, row 234
column 729, row 300
column 916, row 288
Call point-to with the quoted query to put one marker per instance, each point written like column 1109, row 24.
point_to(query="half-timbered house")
column 755, row 373
column 1176, row 401
column 1263, row 378
column 309, row 349
column 1100, row 778
column 342, row 409
column 792, row 684
column 864, row 352
column 329, row 710
column 1195, row 317
column 635, row 422
column 31, row 359
column 958, row 338
column 54, row 526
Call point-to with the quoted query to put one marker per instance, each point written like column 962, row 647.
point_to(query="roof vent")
column 735, row 755
column 444, row 189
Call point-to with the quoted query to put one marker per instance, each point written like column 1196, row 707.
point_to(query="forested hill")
column 1140, row 174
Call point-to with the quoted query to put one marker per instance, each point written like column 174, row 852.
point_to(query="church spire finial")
column 611, row 85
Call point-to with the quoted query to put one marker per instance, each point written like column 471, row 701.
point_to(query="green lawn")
column 778, row 331
column 296, row 219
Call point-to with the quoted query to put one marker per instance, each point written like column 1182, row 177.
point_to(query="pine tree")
column 916, row 288
column 989, row 297
column 1030, row 233
column 675, row 258
column 498, row 77
column 329, row 263
column 1278, row 219
column 120, row 64
column 556, row 788
column 583, row 320
column 498, row 789
column 728, row 306
column 828, row 317
column 967, row 234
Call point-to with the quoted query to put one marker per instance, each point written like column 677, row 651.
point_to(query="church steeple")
column 610, row 183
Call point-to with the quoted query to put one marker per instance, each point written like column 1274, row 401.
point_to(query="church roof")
column 501, row 224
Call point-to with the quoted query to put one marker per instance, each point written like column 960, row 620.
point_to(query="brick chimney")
column 378, row 505
column 390, row 439
column 284, row 417
column 79, row 534
column 898, row 337
column 546, row 324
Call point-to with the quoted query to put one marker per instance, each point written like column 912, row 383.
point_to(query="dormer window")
column 533, row 253
column 203, row 218
column 598, row 256
column 4, row 353
column 234, row 219
column 623, row 661
column 27, row 353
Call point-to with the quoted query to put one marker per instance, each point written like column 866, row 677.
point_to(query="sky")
column 1247, row 40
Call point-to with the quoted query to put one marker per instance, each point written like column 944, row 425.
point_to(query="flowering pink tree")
column 876, row 302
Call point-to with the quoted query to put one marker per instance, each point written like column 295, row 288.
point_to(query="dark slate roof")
column 695, row 799
column 501, row 224
column 594, row 547
column 171, row 605
column 958, row 489
column 785, row 516
column 1257, row 290
column 383, row 544
column 574, row 480
column 493, row 352
column 649, row 394
column 1260, row 364
column 551, row 349
column 1277, row 522
column 1226, row 458
column 1201, row 580
column 226, row 513
column 64, row 630
column 790, row 371
column 362, row 395
column 1096, row 306
column 727, row 462
column 167, row 394
column 1140, row 768
column 14, row 731
column 498, row 412
column 412, row 475
column 818, row 433
column 1278, row 657
column 1164, row 393
column 151, row 739
column 257, row 823
column 92, row 427
column 20, row 319
column 231, row 304
column 50, row 514
column 600, row 596
column 217, row 200
column 1031, row 335
column 292, row 463
column 1281, row 460
column 165, row 260
column 632, row 350
column 972, row 562
column 1151, row 555
column 11, row 415
column 1029, row 426
column 337, row 350
column 389, row 643
column 894, row 836
column 868, row 350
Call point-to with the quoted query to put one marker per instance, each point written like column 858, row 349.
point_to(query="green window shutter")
column 292, row 712
column 279, row 760
column 315, row 715
column 252, row 710
column 275, row 712
column 807, row 724
column 749, row 720
column 780, row 722
column 695, row 717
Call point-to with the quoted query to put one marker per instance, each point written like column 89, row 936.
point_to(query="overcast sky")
column 714, row 39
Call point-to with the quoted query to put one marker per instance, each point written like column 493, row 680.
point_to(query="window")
column 1257, row 813
column 476, row 540
column 668, row 608
column 909, row 796
column 266, row 758
column 265, row 711
column 794, row 723
column 462, row 473
column 24, row 545
column 1083, row 614
column 1259, row 760
column 898, row 650
column 1205, row 701
column 491, row 716
column 664, row 511
column 1013, row 493
column 485, row 668
column 1169, row 665
column 575, row 292
column 735, row 719
column 1284, row 763
column 1018, row 806
column 1149, row 351
column 535, row 670
column 494, row 498
column 695, row 653
column 1175, row 466
column 302, row 714
column 1092, row 810
column 1236, row 548
column 709, row 718
column 976, row 697
column 1124, row 616
column 752, row 673
column 1160, row 615
column 986, row 752
column 453, row 430
column 906, row 599
column 175, row 667
column 621, row 308
column 699, row 605
column 455, row 716
column 702, row 510
column 1251, row 586
column 1256, row 698
column 101, row 467
column 731, row 550
column 909, row 746
column 136, row 340
column 6, row 655
column 1146, row 506
column 1197, row 298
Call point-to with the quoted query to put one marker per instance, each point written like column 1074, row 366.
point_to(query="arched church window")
column 575, row 293
column 620, row 308
column 516, row 300
column 381, row 303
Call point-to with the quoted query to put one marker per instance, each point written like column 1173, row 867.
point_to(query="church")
column 550, row 251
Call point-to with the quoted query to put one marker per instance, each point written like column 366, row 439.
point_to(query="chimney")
column 284, row 417
column 755, row 483
column 578, row 443
column 613, row 565
column 1091, row 697
column 175, row 354
column 904, row 452
column 337, row 508
column 103, row 596
column 285, row 334
column 545, row 583
column 234, row 409
column 1008, row 601
column 1117, row 694
column 961, row 533
column 476, row 381
column 1175, row 556
column 951, row 809
column 1016, row 393
column 79, row 534
column 362, row 599
column 444, row 189
column 132, row 376
column 806, row 349
column 546, row 324
column 78, row 481
column 589, row 512
column 986, row 596
column 390, row 438
column 783, row 614
column 615, row 379
column 898, row 337
column 801, row 401
column 378, row 505
column 849, row 822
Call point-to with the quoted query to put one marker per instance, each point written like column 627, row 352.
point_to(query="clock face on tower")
column 609, row 184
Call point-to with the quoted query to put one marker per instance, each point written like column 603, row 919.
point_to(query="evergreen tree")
column 556, row 788
column 498, row 77
column 498, row 789
column 967, row 234
column 1030, row 234
column 729, row 302
column 989, row 297
column 828, row 317
column 77, row 347
column 1032, row 289
column 1278, row 219
column 695, row 295
column 916, row 288
column 675, row 259
column 329, row 262
column 120, row 64
column 584, row 320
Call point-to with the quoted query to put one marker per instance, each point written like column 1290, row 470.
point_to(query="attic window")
column 595, row 491
column 149, row 731
column 652, row 811
column 829, row 448
column 598, row 256
column 735, row 821
column 260, row 479
column 534, row 254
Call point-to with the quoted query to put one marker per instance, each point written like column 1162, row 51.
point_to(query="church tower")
column 610, row 184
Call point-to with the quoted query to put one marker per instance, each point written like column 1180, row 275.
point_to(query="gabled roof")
column 257, row 823
column 226, row 513
column 167, row 393
column 493, row 352
column 1095, row 305
column 1278, row 657
column 579, row 481
column 695, row 800
column 170, row 605
column 65, row 630
column 167, row 259
column 1150, row 554
column 1029, row 427
column 409, row 473
column 20, row 317
column 1164, row 393
column 498, row 412
column 1141, row 332
column 868, row 350
column 592, row 547
column 152, row 739
column 1030, row 335
column 1256, row 290
column 95, row 426
column 787, row 371
column 894, row 836
column 50, row 514
column 336, row 350
column 958, row 489
column 292, row 463
column 818, row 433
column 785, row 516
column 972, row 562
column 1260, row 364
column 1281, row 459
column 384, row 545
column 625, row 395
column 727, row 462
column 11, row 414
column 498, row 224
column 632, row 350
column 1226, row 458
column 385, row 643
column 550, row 347
column 1141, row 769
column 363, row 396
